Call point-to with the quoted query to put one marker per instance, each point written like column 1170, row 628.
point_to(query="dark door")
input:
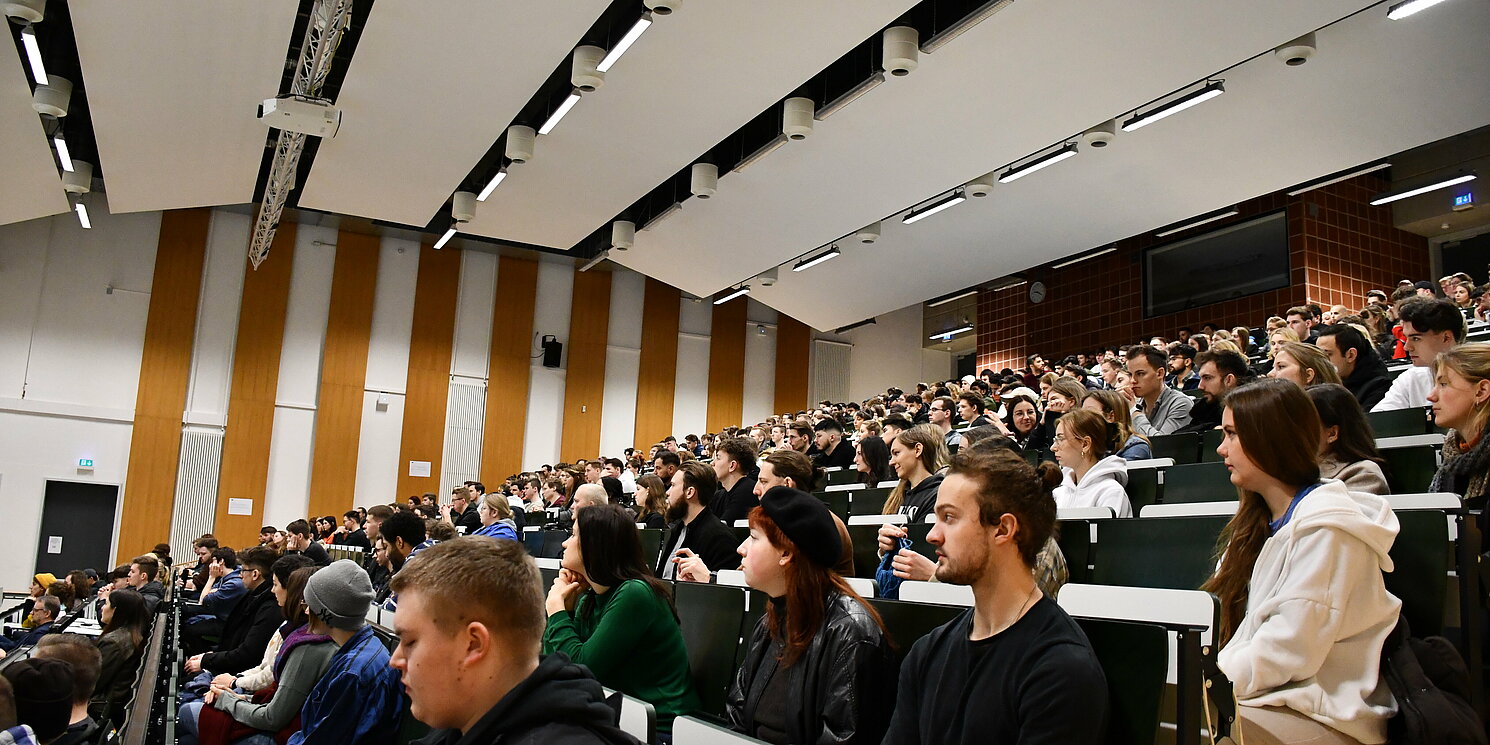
column 1471, row 256
column 77, row 527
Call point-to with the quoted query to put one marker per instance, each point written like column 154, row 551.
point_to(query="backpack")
column 1429, row 680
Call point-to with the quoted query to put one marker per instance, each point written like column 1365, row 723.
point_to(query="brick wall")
column 1339, row 247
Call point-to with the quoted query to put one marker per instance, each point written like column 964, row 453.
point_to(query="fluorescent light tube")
column 1409, row 7
column 945, row 335
column 953, row 200
column 1174, row 107
column 445, row 238
column 62, row 153
column 553, row 120
column 1079, row 259
column 832, row 107
column 1044, row 161
column 33, row 55
column 945, row 300
column 764, row 150
column 1328, row 180
column 1222, row 215
column 743, row 290
column 602, row 256
column 82, row 210
column 805, row 264
column 1391, row 197
column 1010, row 285
column 940, row 38
column 663, row 215
column 491, row 185
column 639, row 28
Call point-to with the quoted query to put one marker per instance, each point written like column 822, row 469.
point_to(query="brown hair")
column 494, row 582
column 1472, row 362
column 1009, row 485
column 1089, row 425
column 700, row 477
column 1116, row 406
column 807, row 585
column 1278, row 429
column 740, row 450
column 149, row 565
column 78, row 651
column 294, row 608
column 651, row 495
column 790, row 464
column 933, row 451
column 1070, row 389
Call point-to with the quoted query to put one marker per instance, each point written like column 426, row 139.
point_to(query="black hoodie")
column 559, row 704
column 1369, row 382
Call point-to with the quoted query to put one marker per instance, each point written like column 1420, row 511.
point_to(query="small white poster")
column 54, row 544
column 240, row 506
column 419, row 468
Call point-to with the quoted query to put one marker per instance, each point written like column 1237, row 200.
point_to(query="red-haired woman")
column 819, row 668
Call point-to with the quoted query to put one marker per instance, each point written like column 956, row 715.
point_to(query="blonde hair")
column 497, row 503
column 1115, row 406
column 1311, row 358
column 934, row 457
column 1288, row 337
column 1226, row 345
column 1471, row 361
column 1275, row 322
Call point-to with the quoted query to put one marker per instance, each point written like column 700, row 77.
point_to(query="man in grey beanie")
column 358, row 700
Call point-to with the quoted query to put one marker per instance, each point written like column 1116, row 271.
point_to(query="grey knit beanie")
column 340, row 595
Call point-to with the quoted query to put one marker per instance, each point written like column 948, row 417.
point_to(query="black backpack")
column 1431, row 685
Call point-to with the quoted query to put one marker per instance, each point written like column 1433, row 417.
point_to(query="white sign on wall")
column 419, row 468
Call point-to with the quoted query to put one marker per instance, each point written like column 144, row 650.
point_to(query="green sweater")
column 632, row 643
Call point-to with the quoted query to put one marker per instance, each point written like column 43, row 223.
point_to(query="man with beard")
column 1221, row 371
column 693, row 530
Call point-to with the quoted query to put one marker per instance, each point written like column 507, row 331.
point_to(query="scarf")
column 1464, row 471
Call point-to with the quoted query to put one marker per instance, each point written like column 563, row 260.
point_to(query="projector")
column 313, row 117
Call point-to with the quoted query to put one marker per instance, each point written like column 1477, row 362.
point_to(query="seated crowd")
column 277, row 648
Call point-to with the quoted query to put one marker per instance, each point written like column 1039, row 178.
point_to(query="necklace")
column 1020, row 614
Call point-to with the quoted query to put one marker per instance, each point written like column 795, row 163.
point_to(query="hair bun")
column 1050, row 475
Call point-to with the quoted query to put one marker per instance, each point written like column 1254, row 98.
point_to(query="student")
column 1090, row 476
column 970, row 411
column 38, row 696
column 872, row 461
column 300, row 540
column 352, row 533
column 1221, row 371
column 1360, row 367
column 43, row 616
column 1429, row 328
column 734, row 468
column 1157, row 409
column 1461, row 402
column 692, row 529
column 224, row 590
column 915, row 456
column 357, row 700
column 1304, row 611
column 142, row 572
column 831, row 451
column 1111, row 406
column 818, row 666
column 79, row 652
column 1303, row 364
column 1023, row 423
column 651, row 501
column 247, row 630
column 1015, row 667
column 606, row 611
column 496, row 517
column 123, row 618
column 1347, row 451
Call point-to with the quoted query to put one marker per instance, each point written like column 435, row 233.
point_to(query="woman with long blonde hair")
column 1461, row 402
column 1303, row 364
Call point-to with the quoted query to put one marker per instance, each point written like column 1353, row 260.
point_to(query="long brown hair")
column 1279, row 431
column 933, row 456
column 651, row 495
column 294, row 608
column 807, row 588
column 1115, row 406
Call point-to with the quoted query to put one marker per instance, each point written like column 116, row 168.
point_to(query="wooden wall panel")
column 727, row 365
column 509, row 368
column 427, row 392
column 657, row 380
column 256, row 353
column 165, row 371
column 584, row 378
column 333, row 471
column 793, row 351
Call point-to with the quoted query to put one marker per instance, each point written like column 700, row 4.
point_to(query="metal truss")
column 328, row 21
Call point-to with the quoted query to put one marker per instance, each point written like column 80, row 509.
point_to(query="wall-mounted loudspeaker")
column 552, row 350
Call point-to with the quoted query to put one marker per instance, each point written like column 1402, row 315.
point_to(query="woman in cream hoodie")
column 1093, row 478
column 1304, row 611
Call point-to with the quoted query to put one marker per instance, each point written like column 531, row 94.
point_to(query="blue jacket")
column 224, row 597
column 357, row 701
column 27, row 639
column 499, row 529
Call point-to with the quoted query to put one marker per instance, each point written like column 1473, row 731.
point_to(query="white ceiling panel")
column 1016, row 83
column 692, row 79
column 173, row 87
column 1378, row 87
column 31, row 186
column 431, row 87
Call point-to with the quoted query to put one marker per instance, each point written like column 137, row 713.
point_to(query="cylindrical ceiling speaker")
column 29, row 11
column 463, row 206
column 869, row 233
column 1298, row 51
column 662, row 7
column 980, row 186
column 80, row 179
column 622, row 234
column 520, row 143
column 704, row 180
column 583, row 74
column 51, row 99
column 796, row 117
column 1101, row 135
column 901, row 50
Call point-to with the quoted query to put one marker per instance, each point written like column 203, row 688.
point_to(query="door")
column 77, row 527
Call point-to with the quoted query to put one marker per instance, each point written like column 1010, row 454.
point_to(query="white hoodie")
column 1318, row 613
column 1103, row 486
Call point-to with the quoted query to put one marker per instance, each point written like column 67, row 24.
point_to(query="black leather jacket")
column 841, row 691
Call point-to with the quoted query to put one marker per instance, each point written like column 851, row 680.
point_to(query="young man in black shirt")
column 1015, row 667
column 832, row 450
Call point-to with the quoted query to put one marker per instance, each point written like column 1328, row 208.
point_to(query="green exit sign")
column 85, row 462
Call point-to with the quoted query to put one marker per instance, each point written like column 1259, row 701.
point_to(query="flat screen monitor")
column 1231, row 262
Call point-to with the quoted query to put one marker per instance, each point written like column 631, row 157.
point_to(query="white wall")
column 623, row 356
column 387, row 372
column 888, row 353
column 760, row 364
column 546, row 385
column 691, row 392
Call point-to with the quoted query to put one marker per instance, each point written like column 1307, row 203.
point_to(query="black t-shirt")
column 842, row 456
column 1037, row 681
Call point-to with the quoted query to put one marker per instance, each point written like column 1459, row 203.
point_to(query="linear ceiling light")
column 940, row 38
column 951, row 200
column 1337, row 178
column 1193, row 98
column 558, row 115
column 1010, row 284
column 63, row 154
column 1409, row 7
column 1203, row 219
column 663, row 215
column 33, row 55
column 828, row 255
column 950, row 298
column 82, row 210
column 764, row 150
column 742, row 290
column 851, row 95
column 491, row 185
column 1079, row 259
column 602, row 256
column 445, row 238
column 945, row 335
column 641, row 26
column 1049, row 159
column 1436, row 185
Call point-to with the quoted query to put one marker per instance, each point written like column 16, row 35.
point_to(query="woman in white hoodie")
column 1093, row 478
column 1304, row 611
